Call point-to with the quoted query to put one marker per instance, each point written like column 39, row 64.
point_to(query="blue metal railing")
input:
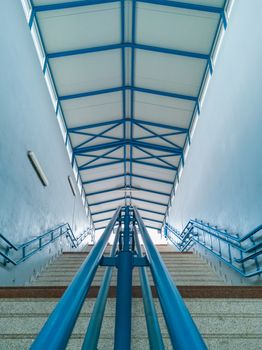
column 58, row 328
column 125, row 254
column 181, row 327
column 233, row 250
column 16, row 254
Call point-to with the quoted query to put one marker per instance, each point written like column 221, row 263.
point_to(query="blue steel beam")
column 177, row 4
column 149, row 191
column 128, row 174
column 107, row 201
column 103, row 179
column 156, row 157
column 165, row 93
column 148, row 226
column 169, row 165
column 151, row 48
column 90, row 93
column 103, row 211
column 149, row 201
column 161, row 125
column 149, row 219
column 185, row 6
column 100, row 165
column 150, row 157
column 101, row 220
column 122, row 198
column 157, row 147
column 118, row 121
column 132, row 88
column 95, row 125
column 106, row 191
column 121, row 188
column 152, row 146
column 153, row 179
column 157, row 135
column 123, row 77
column 98, row 147
column 102, row 156
column 166, row 167
column 98, row 135
column 150, row 211
column 85, row 133
column 70, row 4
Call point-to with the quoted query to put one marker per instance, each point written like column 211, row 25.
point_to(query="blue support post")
column 95, row 323
column 153, row 328
column 124, row 290
column 181, row 327
column 58, row 328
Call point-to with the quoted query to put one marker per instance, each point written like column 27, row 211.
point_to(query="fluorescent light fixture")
column 71, row 185
column 38, row 169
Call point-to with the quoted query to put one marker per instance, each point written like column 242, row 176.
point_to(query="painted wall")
column 28, row 122
column 222, row 178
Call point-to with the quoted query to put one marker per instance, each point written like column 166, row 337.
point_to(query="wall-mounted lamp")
column 38, row 169
column 71, row 185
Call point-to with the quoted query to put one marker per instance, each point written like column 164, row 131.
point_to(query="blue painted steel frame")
column 134, row 46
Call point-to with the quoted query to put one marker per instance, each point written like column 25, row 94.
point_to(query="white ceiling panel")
column 162, row 109
column 93, row 109
column 80, row 27
column 89, row 72
column 96, row 173
column 169, row 73
column 103, row 185
column 175, row 28
column 151, row 185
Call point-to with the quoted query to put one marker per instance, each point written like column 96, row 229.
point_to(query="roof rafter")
column 84, row 51
column 132, row 88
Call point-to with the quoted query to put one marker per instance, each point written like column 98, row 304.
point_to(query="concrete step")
column 185, row 269
column 225, row 324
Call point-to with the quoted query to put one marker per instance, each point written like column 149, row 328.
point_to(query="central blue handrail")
column 181, row 327
column 36, row 244
column 221, row 244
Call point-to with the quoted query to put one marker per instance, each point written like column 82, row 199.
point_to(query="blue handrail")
column 58, row 328
column 36, row 244
column 181, row 327
column 247, row 247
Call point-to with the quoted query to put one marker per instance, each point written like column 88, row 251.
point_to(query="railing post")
column 181, row 327
column 58, row 328
column 124, row 290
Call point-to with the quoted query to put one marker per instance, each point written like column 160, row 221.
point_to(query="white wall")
column 222, row 179
column 28, row 122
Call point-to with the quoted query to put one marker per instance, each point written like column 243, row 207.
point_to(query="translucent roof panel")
column 126, row 79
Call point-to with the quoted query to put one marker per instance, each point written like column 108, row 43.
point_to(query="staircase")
column 225, row 320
